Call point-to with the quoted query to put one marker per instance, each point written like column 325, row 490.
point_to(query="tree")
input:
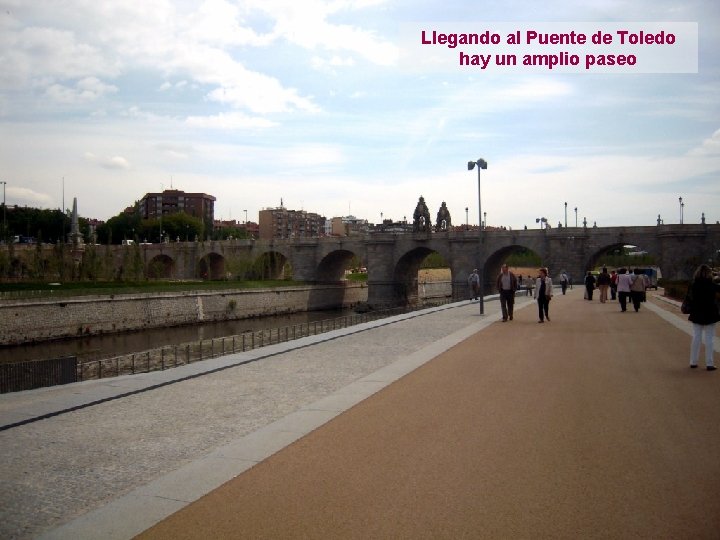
column 228, row 232
column 124, row 226
column 179, row 225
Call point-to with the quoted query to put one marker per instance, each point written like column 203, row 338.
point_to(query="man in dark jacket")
column 507, row 284
column 589, row 285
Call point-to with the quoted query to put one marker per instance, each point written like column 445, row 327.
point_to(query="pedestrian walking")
column 564, row 279
column 638, row 287
column 507, row 284
column 703, row 315
column 589, row 285
column 543, row 294
column 474, row 283
column 624, row 282
column 613, row 285
column 603, row 283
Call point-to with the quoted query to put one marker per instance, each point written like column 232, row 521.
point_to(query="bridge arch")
column 405, row 274
column 332, row 267
column 18, row 269
column 603, row 256
column 211, row 266
column 272, row 265
column 161, row 267
column 496, row 259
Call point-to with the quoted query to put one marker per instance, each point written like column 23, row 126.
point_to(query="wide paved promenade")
column 590, row 426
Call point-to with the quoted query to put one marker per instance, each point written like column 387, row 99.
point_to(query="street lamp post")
column 245, row 216
column 576, row 217
column 467, row 225
column 542, row 221
column 484, row 219
column 481, row 164
column 566, row 215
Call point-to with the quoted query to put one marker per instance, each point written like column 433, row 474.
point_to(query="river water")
column 107, row 346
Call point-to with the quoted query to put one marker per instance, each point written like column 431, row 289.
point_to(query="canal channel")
column 105, row 346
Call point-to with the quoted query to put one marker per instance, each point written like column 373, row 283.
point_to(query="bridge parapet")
column 391, row 258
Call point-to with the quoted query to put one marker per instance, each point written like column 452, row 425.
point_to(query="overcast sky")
column 315, row 103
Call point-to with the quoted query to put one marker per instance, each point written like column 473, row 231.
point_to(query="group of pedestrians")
column 623, row 284
column 701, row 299
column 507, row 284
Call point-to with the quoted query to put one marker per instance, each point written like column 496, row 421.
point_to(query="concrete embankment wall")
column 40, row 320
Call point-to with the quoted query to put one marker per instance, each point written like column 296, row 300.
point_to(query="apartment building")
column 281, row 222
column 172, row 201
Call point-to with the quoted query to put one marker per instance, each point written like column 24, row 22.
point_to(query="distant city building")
column 348, row 226
column 249, row 227
column 283, row 223
column 173, row 201
column 390, row 226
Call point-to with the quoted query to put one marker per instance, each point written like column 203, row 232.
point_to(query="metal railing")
column 37, row 374
column 171, row 356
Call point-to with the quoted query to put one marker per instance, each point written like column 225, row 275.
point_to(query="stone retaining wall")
column 40, row 320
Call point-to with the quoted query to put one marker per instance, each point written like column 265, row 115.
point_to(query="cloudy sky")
column 318, row 104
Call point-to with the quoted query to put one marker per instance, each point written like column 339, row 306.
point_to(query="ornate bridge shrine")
column 393, row 260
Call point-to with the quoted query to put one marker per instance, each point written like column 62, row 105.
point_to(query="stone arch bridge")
column 393, row 260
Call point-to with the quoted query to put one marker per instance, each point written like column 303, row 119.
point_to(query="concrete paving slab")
column 195, row 479
column 258, row 445
column 121, row 519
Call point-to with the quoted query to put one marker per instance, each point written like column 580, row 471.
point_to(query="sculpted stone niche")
column 443, row 222
column 421, row 217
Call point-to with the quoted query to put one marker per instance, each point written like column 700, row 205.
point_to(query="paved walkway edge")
column 140, row 509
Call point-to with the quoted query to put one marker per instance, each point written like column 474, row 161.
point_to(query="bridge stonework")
column 393, row 260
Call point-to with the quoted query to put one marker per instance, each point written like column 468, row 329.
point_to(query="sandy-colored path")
column 591, row 426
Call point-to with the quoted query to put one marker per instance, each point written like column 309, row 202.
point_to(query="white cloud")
column 312, row 155
column 219, row 22
column 49, row 52
column 86, row 90
column 328, row 64
column 306, row 24
column 27, row 197
column 114, row 162
column 709, row 147
column 232, row 120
